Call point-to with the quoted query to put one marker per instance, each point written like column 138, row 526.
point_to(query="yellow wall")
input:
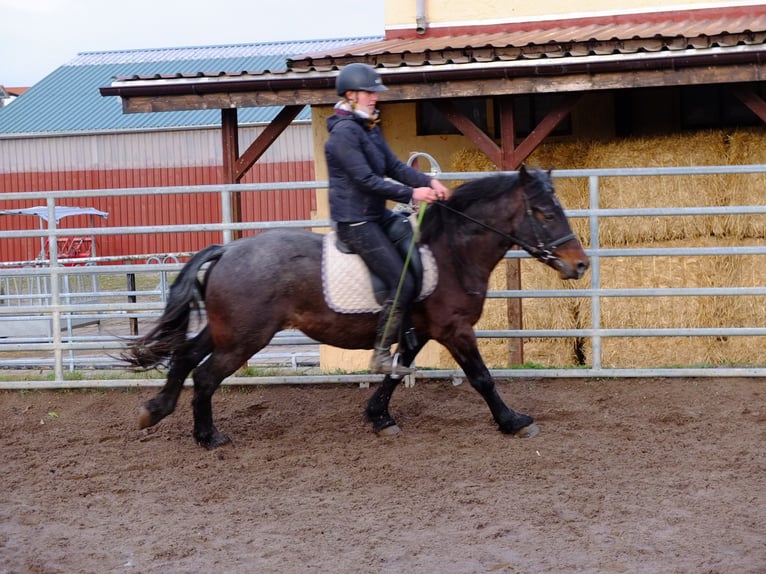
column 402, row 13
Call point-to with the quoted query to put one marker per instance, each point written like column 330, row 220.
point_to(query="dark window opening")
column 714, row 107
column 432, row 122
column 530, row 109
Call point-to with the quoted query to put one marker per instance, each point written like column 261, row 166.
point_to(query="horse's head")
column 544, row 231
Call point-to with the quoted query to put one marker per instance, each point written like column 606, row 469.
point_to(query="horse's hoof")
column 217, row 439
column 528, row 431
column 144, row 418
column 393, row 430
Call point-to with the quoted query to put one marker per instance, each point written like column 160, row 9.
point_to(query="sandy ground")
column 633, row 476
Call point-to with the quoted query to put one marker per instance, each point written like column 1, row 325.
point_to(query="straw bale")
column 537, row 313
column 703, row 148
column 746, row 147
column 470, row 160
column 639, row 312
column 680, row 312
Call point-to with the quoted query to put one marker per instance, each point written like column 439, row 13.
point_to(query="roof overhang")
column 710, row 48
column 565, row 74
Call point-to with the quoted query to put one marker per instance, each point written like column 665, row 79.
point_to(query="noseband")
column 542, row 251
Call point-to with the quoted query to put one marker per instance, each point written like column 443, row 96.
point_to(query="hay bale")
column 681, row 312
column 703, row 148
column 537, row 313
column 745, row 147
column 657, row 191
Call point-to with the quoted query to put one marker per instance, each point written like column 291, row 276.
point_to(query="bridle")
column 542, row 250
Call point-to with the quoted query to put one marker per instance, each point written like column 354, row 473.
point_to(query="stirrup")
column 382, row 363
column 397, row 370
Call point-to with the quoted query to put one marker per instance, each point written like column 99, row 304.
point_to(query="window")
column 714, row 107
column 530, row 109
column 432, row 122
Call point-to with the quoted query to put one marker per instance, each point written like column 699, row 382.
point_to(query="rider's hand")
column 442, row 192
column 427, row 194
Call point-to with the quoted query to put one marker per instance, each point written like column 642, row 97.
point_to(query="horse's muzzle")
column 570, row 262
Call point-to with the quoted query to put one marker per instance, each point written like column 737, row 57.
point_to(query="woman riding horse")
column 358, row 160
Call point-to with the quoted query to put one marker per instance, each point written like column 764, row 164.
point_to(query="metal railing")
column 112, row 310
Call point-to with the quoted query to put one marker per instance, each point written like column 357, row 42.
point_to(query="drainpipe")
column 421, row 25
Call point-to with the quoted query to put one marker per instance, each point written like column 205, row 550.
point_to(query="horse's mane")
column 474, row 193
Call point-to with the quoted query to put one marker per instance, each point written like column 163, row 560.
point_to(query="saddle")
column 350, row 287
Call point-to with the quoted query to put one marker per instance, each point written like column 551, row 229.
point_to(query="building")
column 63, row 135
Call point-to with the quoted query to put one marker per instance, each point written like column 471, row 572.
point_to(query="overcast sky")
column 38, row 36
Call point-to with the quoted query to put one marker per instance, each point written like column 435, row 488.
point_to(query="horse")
column 253, row 287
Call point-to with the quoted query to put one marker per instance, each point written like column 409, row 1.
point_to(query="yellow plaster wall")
column 402, row 13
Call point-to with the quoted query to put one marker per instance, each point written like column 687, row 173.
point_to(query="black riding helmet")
column 356, row 77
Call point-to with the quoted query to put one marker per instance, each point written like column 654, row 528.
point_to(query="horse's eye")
column 545, row 215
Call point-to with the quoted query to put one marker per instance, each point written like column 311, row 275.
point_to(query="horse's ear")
column 523, row 173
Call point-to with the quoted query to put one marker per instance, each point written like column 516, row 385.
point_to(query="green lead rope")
column 404, row 269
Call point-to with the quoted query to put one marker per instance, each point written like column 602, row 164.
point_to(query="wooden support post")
column 230, row 146
column 512, row 266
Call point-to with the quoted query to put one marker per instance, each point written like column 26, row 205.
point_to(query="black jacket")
column 358, row 160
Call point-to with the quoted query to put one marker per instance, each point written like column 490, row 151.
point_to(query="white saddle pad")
column 347, row 283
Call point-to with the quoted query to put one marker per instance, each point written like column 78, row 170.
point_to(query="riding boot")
column 382, row 361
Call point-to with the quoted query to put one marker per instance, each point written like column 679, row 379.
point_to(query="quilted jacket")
column 358, row 161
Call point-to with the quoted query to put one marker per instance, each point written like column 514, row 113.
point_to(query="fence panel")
column 61, row 315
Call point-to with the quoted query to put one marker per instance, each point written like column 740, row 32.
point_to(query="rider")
column 358, row 161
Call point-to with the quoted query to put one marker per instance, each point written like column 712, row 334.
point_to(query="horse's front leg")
column 377, row 407
column 467, row 355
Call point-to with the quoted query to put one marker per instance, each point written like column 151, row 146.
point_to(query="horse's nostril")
column 582, row 266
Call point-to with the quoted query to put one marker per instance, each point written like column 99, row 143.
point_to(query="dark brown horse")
column 256, row 286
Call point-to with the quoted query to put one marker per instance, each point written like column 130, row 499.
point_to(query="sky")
column 38, row 36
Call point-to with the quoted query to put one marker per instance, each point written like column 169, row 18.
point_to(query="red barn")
column 61, row 134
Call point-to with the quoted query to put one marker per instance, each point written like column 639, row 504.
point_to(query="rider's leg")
column 371, row 243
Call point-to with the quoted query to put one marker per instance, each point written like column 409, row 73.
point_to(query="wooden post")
column 230, row 145
column 512, row 266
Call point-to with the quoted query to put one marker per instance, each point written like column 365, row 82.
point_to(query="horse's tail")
column 187, row 293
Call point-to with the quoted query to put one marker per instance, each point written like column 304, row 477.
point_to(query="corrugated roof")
column 681, row 38
column 602, row 36
column 68, row 99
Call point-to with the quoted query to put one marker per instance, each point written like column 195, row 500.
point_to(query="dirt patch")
column 626, row 476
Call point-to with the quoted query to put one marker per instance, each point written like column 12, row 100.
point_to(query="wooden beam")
column 469, row 129
column 542, row 131
column 579, row 82
column 264, row 140
column 747, row 96
column 507, row 131
column 230, row 147
column 230, row 144
column 513, row 307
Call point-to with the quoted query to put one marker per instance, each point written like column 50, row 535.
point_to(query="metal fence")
column 78, row 314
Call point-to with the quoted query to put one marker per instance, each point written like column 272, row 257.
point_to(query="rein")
column 542, row 251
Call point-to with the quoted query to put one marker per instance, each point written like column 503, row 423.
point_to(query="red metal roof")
column 733, row 38
column 696, row 29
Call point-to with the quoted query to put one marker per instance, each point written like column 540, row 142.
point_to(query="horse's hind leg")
column 207, row 378
column 181, row 364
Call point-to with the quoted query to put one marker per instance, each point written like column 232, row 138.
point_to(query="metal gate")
column 129, row 291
